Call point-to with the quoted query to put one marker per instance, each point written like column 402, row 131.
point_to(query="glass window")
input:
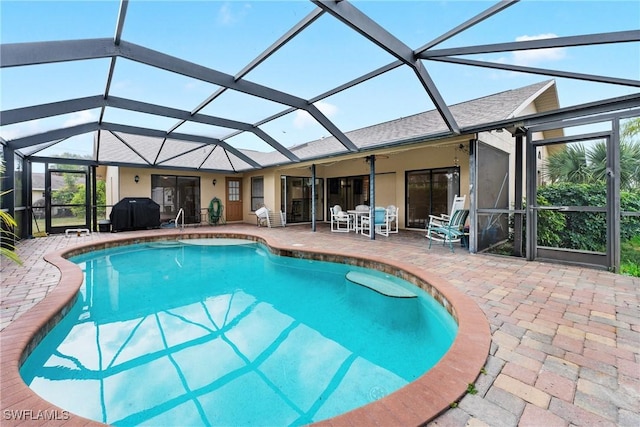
column 234, row 191
column 348, row 192
column 257, row 192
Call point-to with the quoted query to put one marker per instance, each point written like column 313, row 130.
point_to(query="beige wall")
column 121, row 183
column 391, row 165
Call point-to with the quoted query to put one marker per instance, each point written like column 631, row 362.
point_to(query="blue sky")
column 227, row 35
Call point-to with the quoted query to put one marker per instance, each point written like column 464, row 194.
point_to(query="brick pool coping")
column 415, row 404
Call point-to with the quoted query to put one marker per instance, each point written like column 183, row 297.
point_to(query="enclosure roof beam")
column 144, row 107
column 555, row 42
column 122, row 14
column 52, row 135
column 586, row 120
column 542, row 71
column 581, row 110
column 68, row 132
column 190, row 69
column 362, row 24
column 288, row 36
column 52, row 109
column 181, row 137
column 503, row 4
column 35, row 53
column 88, row 103
column 21, row 54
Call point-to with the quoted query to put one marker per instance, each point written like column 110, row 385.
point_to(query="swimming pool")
column 242, row 361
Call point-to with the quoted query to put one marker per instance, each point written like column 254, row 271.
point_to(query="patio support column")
column 27, row 189
column 517, row 216
column 372, row 196
column 473, row 205
column 613, row 196
column 313, row 197
column 531, row 212
column 93, row 170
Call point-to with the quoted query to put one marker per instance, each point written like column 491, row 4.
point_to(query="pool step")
column 380, row 285
column 165, row 244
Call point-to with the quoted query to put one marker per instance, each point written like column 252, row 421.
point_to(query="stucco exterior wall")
column 121, row 183
column 391, row 167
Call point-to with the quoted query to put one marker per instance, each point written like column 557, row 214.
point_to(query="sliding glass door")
column 296, row 198
column 430, row 192
column 173, row 193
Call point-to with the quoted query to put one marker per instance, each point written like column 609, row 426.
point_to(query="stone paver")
column 566, row 340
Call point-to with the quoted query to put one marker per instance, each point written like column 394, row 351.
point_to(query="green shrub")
column 630, row 256
column 630, row 269
column 550, row 225
column 587, row 230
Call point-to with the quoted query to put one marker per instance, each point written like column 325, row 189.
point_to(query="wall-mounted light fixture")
column 214, row 182
column 136, row 179
column 463, row 148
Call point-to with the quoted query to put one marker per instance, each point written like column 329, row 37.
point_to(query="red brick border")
column 414, row 404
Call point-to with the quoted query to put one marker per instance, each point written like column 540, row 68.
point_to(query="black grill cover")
column 135, row 213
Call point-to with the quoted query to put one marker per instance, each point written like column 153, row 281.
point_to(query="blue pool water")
column 230, row 335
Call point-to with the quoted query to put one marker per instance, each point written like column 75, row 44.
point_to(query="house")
column 416, row 168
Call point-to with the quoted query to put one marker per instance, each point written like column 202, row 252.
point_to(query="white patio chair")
column 443, row 219
column 340, row 220
column 392, row 213
column 262, row 216
column 451, row 232
column 269, row 218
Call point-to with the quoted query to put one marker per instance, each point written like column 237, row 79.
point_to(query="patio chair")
column 340, row 220
column 380, row 222
column 262, row 217
column 269, row 218
column 452, row 231
column 393, row 212
column 442, row 219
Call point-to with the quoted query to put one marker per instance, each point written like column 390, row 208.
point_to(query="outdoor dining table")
column 356, row 217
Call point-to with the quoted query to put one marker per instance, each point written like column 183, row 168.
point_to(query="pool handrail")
column 180, row 215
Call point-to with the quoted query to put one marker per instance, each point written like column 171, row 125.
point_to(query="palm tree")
column 629, row 163
column 580, row 165
column 568, row 165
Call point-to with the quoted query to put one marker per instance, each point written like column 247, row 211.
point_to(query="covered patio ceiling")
column 233, row 86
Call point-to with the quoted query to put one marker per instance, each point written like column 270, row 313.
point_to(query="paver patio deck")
column 565, row 340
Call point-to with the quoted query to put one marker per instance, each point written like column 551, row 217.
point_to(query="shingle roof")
column 427, row 125
column 476, row 112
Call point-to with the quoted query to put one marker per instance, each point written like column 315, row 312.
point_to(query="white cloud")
column 534, row 56
column 19, row 130
column 192, row 85
column 34, row 127
column 121, row 85
column 229, row 14
column 303, row 119
column 79, row 118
